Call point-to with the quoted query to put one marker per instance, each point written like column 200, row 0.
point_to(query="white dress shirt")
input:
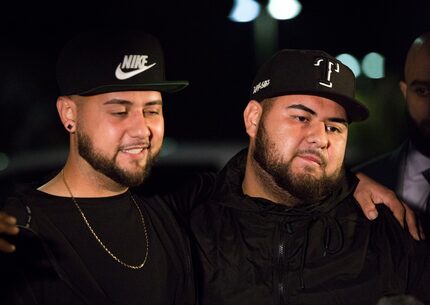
column 414, row 189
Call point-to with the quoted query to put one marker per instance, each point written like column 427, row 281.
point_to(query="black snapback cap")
column 98, row 62
column 313, row 72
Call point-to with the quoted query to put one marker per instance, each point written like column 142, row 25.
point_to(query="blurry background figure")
column 407, row 169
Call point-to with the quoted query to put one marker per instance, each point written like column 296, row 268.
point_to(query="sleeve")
column 14, row 288
column 410, row 259
column 189, row 193
column 419, row 283
column 16, row 207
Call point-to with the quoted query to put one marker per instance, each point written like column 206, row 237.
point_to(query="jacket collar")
column 229, row 192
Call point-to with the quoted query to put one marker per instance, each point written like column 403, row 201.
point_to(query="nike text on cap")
column 100, row 62
column 310, row 72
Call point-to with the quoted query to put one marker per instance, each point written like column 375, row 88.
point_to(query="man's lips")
column 312, row 158
column 134, row 149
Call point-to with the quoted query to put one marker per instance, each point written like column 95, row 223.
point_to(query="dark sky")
column 201, row 45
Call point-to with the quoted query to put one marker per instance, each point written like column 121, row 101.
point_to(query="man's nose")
column 139, row 126
column 317, row 135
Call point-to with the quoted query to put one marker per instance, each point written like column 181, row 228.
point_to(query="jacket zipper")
column 281, row 261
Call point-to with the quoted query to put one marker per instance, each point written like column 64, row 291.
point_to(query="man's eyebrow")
column 302, row 107
column 116, row 101
column 338, row 120
column 420, row 83
column 307, row 109
column 156, row 102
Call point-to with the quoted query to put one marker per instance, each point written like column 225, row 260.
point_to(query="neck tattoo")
column 105, row 248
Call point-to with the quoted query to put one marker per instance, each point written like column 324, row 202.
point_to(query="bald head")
column 416, row 90
column 418, row 58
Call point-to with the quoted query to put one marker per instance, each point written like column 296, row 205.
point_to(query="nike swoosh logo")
column 124, row 75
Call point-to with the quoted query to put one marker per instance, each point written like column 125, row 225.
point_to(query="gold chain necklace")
column 98, row 239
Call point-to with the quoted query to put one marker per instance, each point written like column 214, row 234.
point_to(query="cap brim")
column 355, row 110
column 166, row 86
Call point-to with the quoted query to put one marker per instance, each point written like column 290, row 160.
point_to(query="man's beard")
column 419, row 134
column 108, row 167
column 304, row 187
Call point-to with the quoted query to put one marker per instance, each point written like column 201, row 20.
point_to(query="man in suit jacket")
column 407, row 168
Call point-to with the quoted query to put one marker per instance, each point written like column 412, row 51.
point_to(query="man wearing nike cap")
column 86, row 236
column 282, row 225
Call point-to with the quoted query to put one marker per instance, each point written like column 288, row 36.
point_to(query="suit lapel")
column 396, row 167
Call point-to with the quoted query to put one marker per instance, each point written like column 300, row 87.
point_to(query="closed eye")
column 300, row 118
column 120, row 113
column 151, row 112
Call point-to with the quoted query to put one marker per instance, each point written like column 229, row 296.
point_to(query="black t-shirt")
column 59, row 261
column 79, row 260
column 117, row 223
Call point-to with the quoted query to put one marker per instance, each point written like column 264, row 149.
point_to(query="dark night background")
column 204, row 124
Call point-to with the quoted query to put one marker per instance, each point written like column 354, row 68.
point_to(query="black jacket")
column 250, row 251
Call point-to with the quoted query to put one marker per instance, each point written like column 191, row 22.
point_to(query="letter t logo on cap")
column 327, row 66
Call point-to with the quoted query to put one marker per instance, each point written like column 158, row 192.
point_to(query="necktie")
column 426, row 175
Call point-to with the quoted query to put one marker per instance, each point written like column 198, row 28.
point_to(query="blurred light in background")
column 244, row 11
column 4, row 161
column 266, row 37
column 284, row 9
column 351, row 62
column 373, row 65
column 170, row 146
column 248, row 10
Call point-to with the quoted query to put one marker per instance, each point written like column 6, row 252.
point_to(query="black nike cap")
column 310, row 72
column 98, row 62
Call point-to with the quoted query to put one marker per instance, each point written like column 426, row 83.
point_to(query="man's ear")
column 403, row 87
column 67, row 111
column 252, row 116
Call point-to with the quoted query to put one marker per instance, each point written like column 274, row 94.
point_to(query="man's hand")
column 369, row 192
column 7, row 227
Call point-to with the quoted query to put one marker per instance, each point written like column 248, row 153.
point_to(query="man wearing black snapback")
column 282, row 225
column 86, row 236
